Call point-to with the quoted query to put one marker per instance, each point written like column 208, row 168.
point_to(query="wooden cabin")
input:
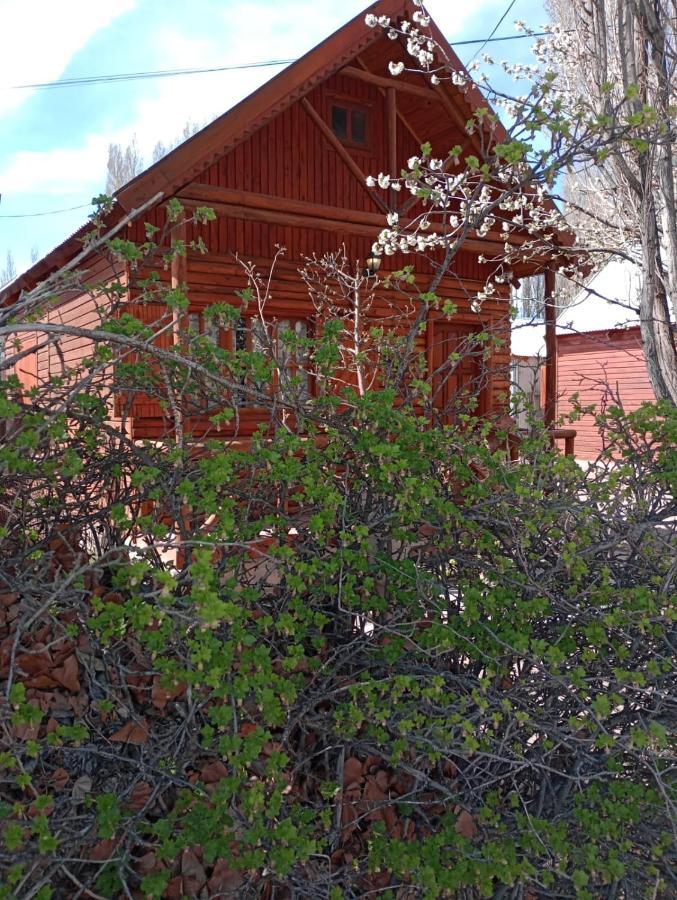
column 288, row 166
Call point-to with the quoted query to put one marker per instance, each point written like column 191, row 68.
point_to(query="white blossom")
column 370, row 20
column 370, row 181
column 396, row 68
column 392, row 218
column 383, row 180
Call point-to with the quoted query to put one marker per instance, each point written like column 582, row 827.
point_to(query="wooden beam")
column 346, row 221
column 403, row 119
column 406, row 87
column 391, row 106
column 303, row 214
column 550, row 406
column 342, row 152
column 210, row 194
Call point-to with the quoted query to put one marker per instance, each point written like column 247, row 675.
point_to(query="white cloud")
column 40, row 37
column 59, row 172
column 163, row 107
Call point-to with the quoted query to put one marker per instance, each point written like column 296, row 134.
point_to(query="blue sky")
column 54, row 142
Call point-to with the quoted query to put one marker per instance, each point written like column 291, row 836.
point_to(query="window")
column 285, row 340
column 350, row 124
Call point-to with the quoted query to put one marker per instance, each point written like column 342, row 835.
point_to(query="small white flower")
column 370, row 20
column 435, row 80
column 383, row 180
column 396, row 68
column 384, row 21
column 412, row 162
column 396, row 186
column 392, row 218
column 370, row 181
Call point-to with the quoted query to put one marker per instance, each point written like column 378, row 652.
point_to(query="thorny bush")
column 353, row 656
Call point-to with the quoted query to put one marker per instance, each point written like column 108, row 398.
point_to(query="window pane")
column 241, row 335
column 359, row 126
column 194, row 322
column 212, row 331
column 339, row 122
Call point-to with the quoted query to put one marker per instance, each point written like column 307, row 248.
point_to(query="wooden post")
column 550, row 406
column 179, row 272
column 391, row 97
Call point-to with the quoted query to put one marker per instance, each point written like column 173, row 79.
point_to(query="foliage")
column 354, row 655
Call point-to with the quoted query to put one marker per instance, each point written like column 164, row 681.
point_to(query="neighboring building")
column 527, row 346
column 599, row 352
column 287, row 166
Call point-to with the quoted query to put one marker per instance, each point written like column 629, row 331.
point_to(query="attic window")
column 350, row 124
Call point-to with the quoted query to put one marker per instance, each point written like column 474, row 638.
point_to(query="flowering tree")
column 615, row 126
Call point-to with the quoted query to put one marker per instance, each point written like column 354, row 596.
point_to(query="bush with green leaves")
column 354, row 656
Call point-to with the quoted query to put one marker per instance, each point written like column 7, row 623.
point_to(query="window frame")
column 351, row 106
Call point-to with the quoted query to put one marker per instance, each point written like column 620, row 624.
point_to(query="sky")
column 54, row 141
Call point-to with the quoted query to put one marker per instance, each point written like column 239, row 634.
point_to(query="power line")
column 491, row 36
column 172, row 73
column 49, row 212
column 138, row 76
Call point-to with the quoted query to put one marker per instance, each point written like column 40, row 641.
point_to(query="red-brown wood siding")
column 600, row 367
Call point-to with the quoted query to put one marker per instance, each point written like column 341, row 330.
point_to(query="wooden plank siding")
column 598, row 366
column 286, row 185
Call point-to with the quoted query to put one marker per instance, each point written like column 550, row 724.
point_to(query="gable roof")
column 181, row 165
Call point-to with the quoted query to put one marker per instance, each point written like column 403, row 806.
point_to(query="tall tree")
column 9, row 272
column 124, row 163
column 622, row 62
column 189, row 129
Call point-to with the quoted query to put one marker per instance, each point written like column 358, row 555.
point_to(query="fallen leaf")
column 194, row 875
column 131, row 733
column 224, row 880
column 140, row 795
column 175, row 889
column 67, row 674
column 160, row 696
column 103, row 850
column 465, row 825
column 213, row 771
column 60, row 778
column 34, row 663
column 352, row 770
column 81, row 788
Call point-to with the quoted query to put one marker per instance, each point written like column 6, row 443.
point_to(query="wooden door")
column 459, row 372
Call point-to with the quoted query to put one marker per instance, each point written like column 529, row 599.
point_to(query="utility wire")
column 172, row 73
column 169, row 73
column 49, row 212
column 491, row 36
